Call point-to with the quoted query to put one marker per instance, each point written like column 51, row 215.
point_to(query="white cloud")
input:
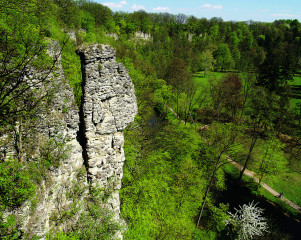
column 210, row 6
column 161, row 9
column 138, row 7
column 263, row 10
column 285, row 15
column 115, row 5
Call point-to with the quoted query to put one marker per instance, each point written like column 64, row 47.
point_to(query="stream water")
column 281, row 226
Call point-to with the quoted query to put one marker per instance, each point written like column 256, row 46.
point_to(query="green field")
column 297, row 79
column 202, row 84
column 297, row 82
column 234, row 173
column 290, row 182
column 200, row 79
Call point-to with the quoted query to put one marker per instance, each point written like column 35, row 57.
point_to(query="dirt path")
column 248, row 172
column 265, row 186
column 175, row 114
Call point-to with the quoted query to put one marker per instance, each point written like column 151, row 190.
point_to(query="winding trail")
column 247, row 172
column 252, row 174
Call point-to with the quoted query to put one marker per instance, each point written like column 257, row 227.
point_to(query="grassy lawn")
column 297, row 79
column 202, row 84
column 289, row 183
column 199, row 77
column 234, row 173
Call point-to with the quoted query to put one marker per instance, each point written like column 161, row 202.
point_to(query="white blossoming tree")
column 248, row 222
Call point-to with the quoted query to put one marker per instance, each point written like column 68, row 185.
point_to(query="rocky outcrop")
column 108, row 106
column 93, row 136
column 143, row 36
column 57, row 122
column 113, row 35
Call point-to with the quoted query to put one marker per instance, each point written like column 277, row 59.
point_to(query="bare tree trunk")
column 208, row 188
column 177, row 102
column 20, row 142
column 204, row 201
column 254, row 139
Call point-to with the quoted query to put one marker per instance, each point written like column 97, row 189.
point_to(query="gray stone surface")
column 144, row 36
column 60, row 119
column 109, row 106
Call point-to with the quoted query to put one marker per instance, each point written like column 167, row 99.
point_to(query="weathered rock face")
column 94, row 134
column 143, row 36
column 109, row 105
column 113, row 35
column 59, row 120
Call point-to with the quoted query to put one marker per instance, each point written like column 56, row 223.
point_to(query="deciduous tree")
column 223, row 57
column 220, row 141
column 272, row 160
column 248, row 221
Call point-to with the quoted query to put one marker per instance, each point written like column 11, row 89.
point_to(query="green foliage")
column 54, row 151
column 272, row 160
column 9, row 228
column 88, row 22
column 207, row 61
column 94, row 222
column 21, row 46
column 16, row 184
column 72, row 70
column 224, row 59
column 18, row 179
column 62, row 236
column 204, row 235
column 68, row 12
column 101, row 14
column 162, row 184
column 218, row 217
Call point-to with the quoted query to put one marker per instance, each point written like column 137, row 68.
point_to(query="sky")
column 228, row 10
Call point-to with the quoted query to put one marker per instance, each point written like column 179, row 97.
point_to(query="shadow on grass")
column 283, row 223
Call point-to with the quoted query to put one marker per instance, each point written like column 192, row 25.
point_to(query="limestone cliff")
column 93, row 134
column 59, row 120
column 108, row 106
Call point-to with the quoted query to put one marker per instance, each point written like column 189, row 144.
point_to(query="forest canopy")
column 207, row 89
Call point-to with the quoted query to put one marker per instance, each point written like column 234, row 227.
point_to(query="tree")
column 102, row 14
column 220, row 143
column 248, row 221
column 272, row 161
column 141, row 21
column 248, row 80
column 22, row 47
column 214, row 33
column 279, row 65
column 261, row 110
column 223, row 57
column 207, row 61
column 231, row 86
column 179, row 77
column 226, row 94
column 69, row 12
